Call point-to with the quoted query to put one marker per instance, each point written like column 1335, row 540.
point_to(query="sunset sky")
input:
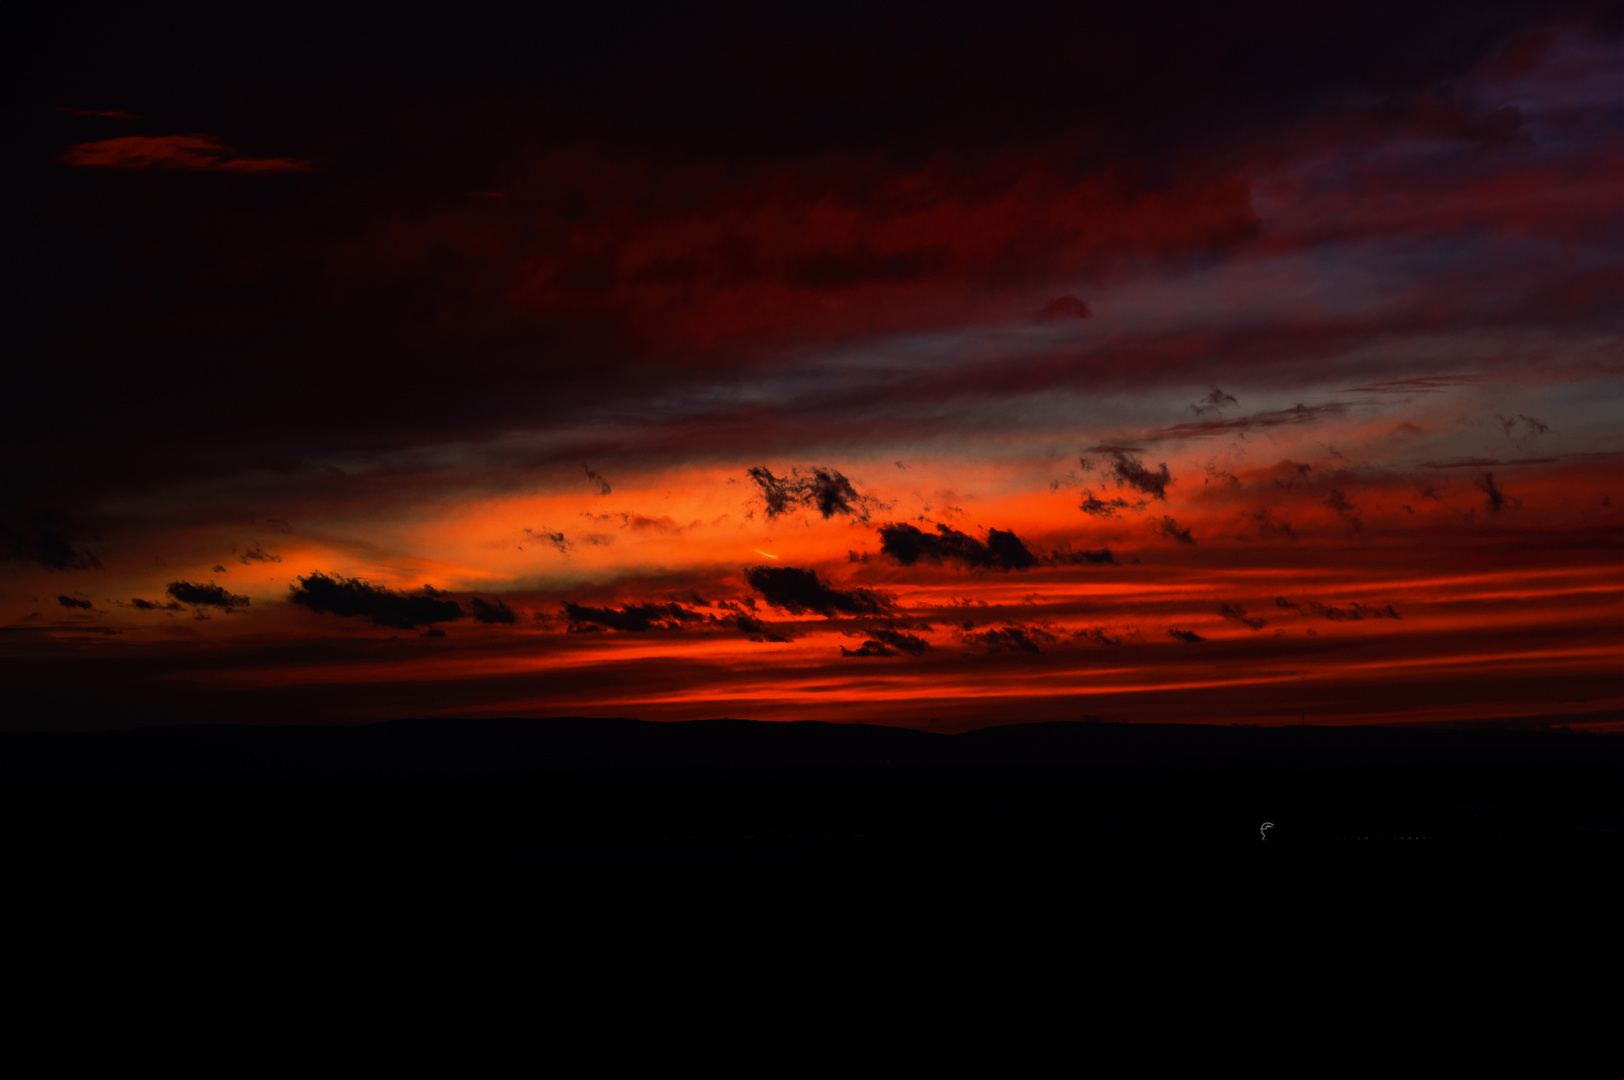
column 935, row 365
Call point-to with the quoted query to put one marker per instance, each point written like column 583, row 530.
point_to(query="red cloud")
column 173, row 152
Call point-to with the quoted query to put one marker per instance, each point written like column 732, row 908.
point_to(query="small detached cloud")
column 632, row 618
column 257, row 554
column 352, row 598
column 202, row 596
column 198, row 153
column 822, row 488
column 494, row 612
column 1215, row 401
column 1189, row 637
column 1132, row 473
column 73, row 602
column 1169, row 529
column 147, row 605
column 603, row 485
column 1237, row 614
column 1001, row 550
column 1011, row 638
column 798, row 591
column 883, row 642
column 1353, row 613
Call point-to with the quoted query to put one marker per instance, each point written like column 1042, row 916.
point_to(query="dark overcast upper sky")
column 936, row 364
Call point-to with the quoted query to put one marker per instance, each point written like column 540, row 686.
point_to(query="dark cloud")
column 42, row 538
column 797, row 591
column 1215, row 401
column 73, row 602
column 1098, row 636
column 257, row 554
column 1497, row 499
column 754, row 627
column 1268, row 523
column 1353, row 613
column 1013, row 638
column 1531, row 427
column 1189, row 637
column 1132, row 472
column 1064, row 556
column 822, row 488
column 492, row 612
column 210, row 595
column 204, row 153
column 632, row 618
column 1169, row 529
column 147, row 605
column 1297, row 414
column 911, row 644
column 352, row 598
column 1001, row 550
column 603, row 485
column 1064, row 307
column 556, row 539
column 1237, row 614
column 1339, row 502
column 1105, row 508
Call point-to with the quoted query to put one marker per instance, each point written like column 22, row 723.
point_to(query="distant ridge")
column 408, row 749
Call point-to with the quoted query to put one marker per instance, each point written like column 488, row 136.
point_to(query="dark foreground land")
column 734, row 898
column 603, row 795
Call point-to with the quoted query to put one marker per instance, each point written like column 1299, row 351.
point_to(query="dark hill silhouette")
column 459, row 748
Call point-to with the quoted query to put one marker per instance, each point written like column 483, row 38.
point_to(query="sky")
column 933, row 365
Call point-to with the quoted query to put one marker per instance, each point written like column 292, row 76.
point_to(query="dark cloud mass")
column 1171, row 530
column 40, row 538
column 1237, row 614
column 210, row 595
column 495, row 612
column 352, row 598
column 1014, row 638
column 1189, row 637
column 1352, row 613
column 73, row 602
column 1001, row 551
column 1132, row 472
column 257, row 554
column 147, row 605
column 798, row 591
column 632, row 618
column 823, row 489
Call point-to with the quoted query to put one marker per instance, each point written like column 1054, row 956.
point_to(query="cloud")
column 1237, row 614
column 257, row 554
column 73, row 602
column 754, row 627
column 897, row 639
column 1169, row 529
column 1497, row 499
column 556, row 539
column 1132, row 472
column 1297, row 414
column 194, row 152
column 1012, row 638
column 1106, row 508
column 1531, row 427
column 1064, row 307
column 823, row 488
column 1215, row 401
column 632, row 618
column 352, row 598
column 1001, row 551
column 1268, row 523
column 797, row 591
column 497, row 612
column 1064, row 556
column 40, row 538
column 603, row 485
column 201, row 596
column 147, row 605
column 1189, row 637
column 1353, row 613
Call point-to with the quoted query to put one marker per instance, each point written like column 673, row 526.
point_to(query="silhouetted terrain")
column 533, row 796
